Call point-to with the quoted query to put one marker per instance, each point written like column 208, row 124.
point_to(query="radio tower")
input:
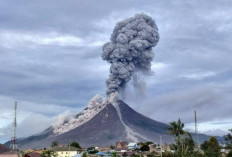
column 13, row 139
column 196, row 129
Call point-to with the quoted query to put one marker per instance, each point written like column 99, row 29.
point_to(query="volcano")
column 101, row 124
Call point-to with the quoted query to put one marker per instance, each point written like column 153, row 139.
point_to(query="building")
column 33, row 154
column 11, row 154
column 121, row 145
column 132, row 146
column 66, row 151
column 4, row 149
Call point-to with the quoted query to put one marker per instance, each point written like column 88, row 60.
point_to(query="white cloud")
column 213, row 128
column 199, row 75
column 11, row 39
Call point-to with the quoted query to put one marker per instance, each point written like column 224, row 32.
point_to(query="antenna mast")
column 196, row 129
column 13, row 140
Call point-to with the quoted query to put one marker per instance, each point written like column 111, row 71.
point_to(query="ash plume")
column 130, row 50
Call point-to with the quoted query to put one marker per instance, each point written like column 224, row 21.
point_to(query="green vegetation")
column 184, row 144
column 228, row 139
column 167, row 154
column 75, row 144
column 114, row 154
column 84, row 155
column 211, row 148
column 149, row 142
column 229, row 154
column 54, row 144
column 49, row 153
column 145, row 148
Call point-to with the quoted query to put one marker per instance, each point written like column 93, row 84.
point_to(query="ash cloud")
column 130, row 50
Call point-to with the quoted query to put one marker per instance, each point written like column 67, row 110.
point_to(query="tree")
column 112, row 147
column 149, row 142
column 229, row 154
column 54, row 144
column 211, row 148
column 228, row 139
column 75, row 144
column 114, row 154
column 167, row 154
column 145, row 148
column 184, row 144
column 49, row 153
column 124, row 154
column 84, row 155
column 176, row 128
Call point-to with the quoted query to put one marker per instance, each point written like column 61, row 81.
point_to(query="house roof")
column 10, row 154
column 121, row 145
column 132, row 144
column 66, row 148
column 3, row 149
column 33, row 154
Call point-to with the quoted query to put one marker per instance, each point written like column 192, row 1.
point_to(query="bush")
column 211, row 148
column 75, row 144
column 229, row 154
column 167, row 154
column 49, row 153
column 145, row 148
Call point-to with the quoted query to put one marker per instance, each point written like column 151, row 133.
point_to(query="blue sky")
column 50, row 55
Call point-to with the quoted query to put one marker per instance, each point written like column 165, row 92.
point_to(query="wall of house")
column 66, row 153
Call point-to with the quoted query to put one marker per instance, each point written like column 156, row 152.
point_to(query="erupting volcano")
column 108, row 120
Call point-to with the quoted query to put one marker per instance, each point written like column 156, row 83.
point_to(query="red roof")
column 4, row 149
column 33, row 154
column 121, row 145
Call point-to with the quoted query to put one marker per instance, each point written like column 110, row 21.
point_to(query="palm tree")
column 176, row 128
column 184, row 143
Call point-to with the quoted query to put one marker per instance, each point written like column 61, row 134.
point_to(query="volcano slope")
column 109, row 125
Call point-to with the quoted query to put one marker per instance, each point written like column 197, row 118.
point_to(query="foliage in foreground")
column 211, row 148
column 49, row 153
column 184, row 144
column 75, row 144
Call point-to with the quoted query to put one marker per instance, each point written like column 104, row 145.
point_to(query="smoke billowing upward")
column 130, row 50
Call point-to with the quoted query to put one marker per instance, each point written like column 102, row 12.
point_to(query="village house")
column 121, row 146
column 66, row 151
column 132, row 146
column 4, row 149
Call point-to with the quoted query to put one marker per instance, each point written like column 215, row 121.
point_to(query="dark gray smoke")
column 130, row 50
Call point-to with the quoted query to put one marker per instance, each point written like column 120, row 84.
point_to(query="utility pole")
column 161, row 146
column 196, row 129
column 14, row 126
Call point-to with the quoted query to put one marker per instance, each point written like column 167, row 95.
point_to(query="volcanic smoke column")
column 130, row 50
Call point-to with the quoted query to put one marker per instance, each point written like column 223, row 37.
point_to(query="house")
column 121, row 146
column 66, row 151
column 224, row 152
column 132, row 146
column 11, row 154
column 33, row 154
column 4, row 149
